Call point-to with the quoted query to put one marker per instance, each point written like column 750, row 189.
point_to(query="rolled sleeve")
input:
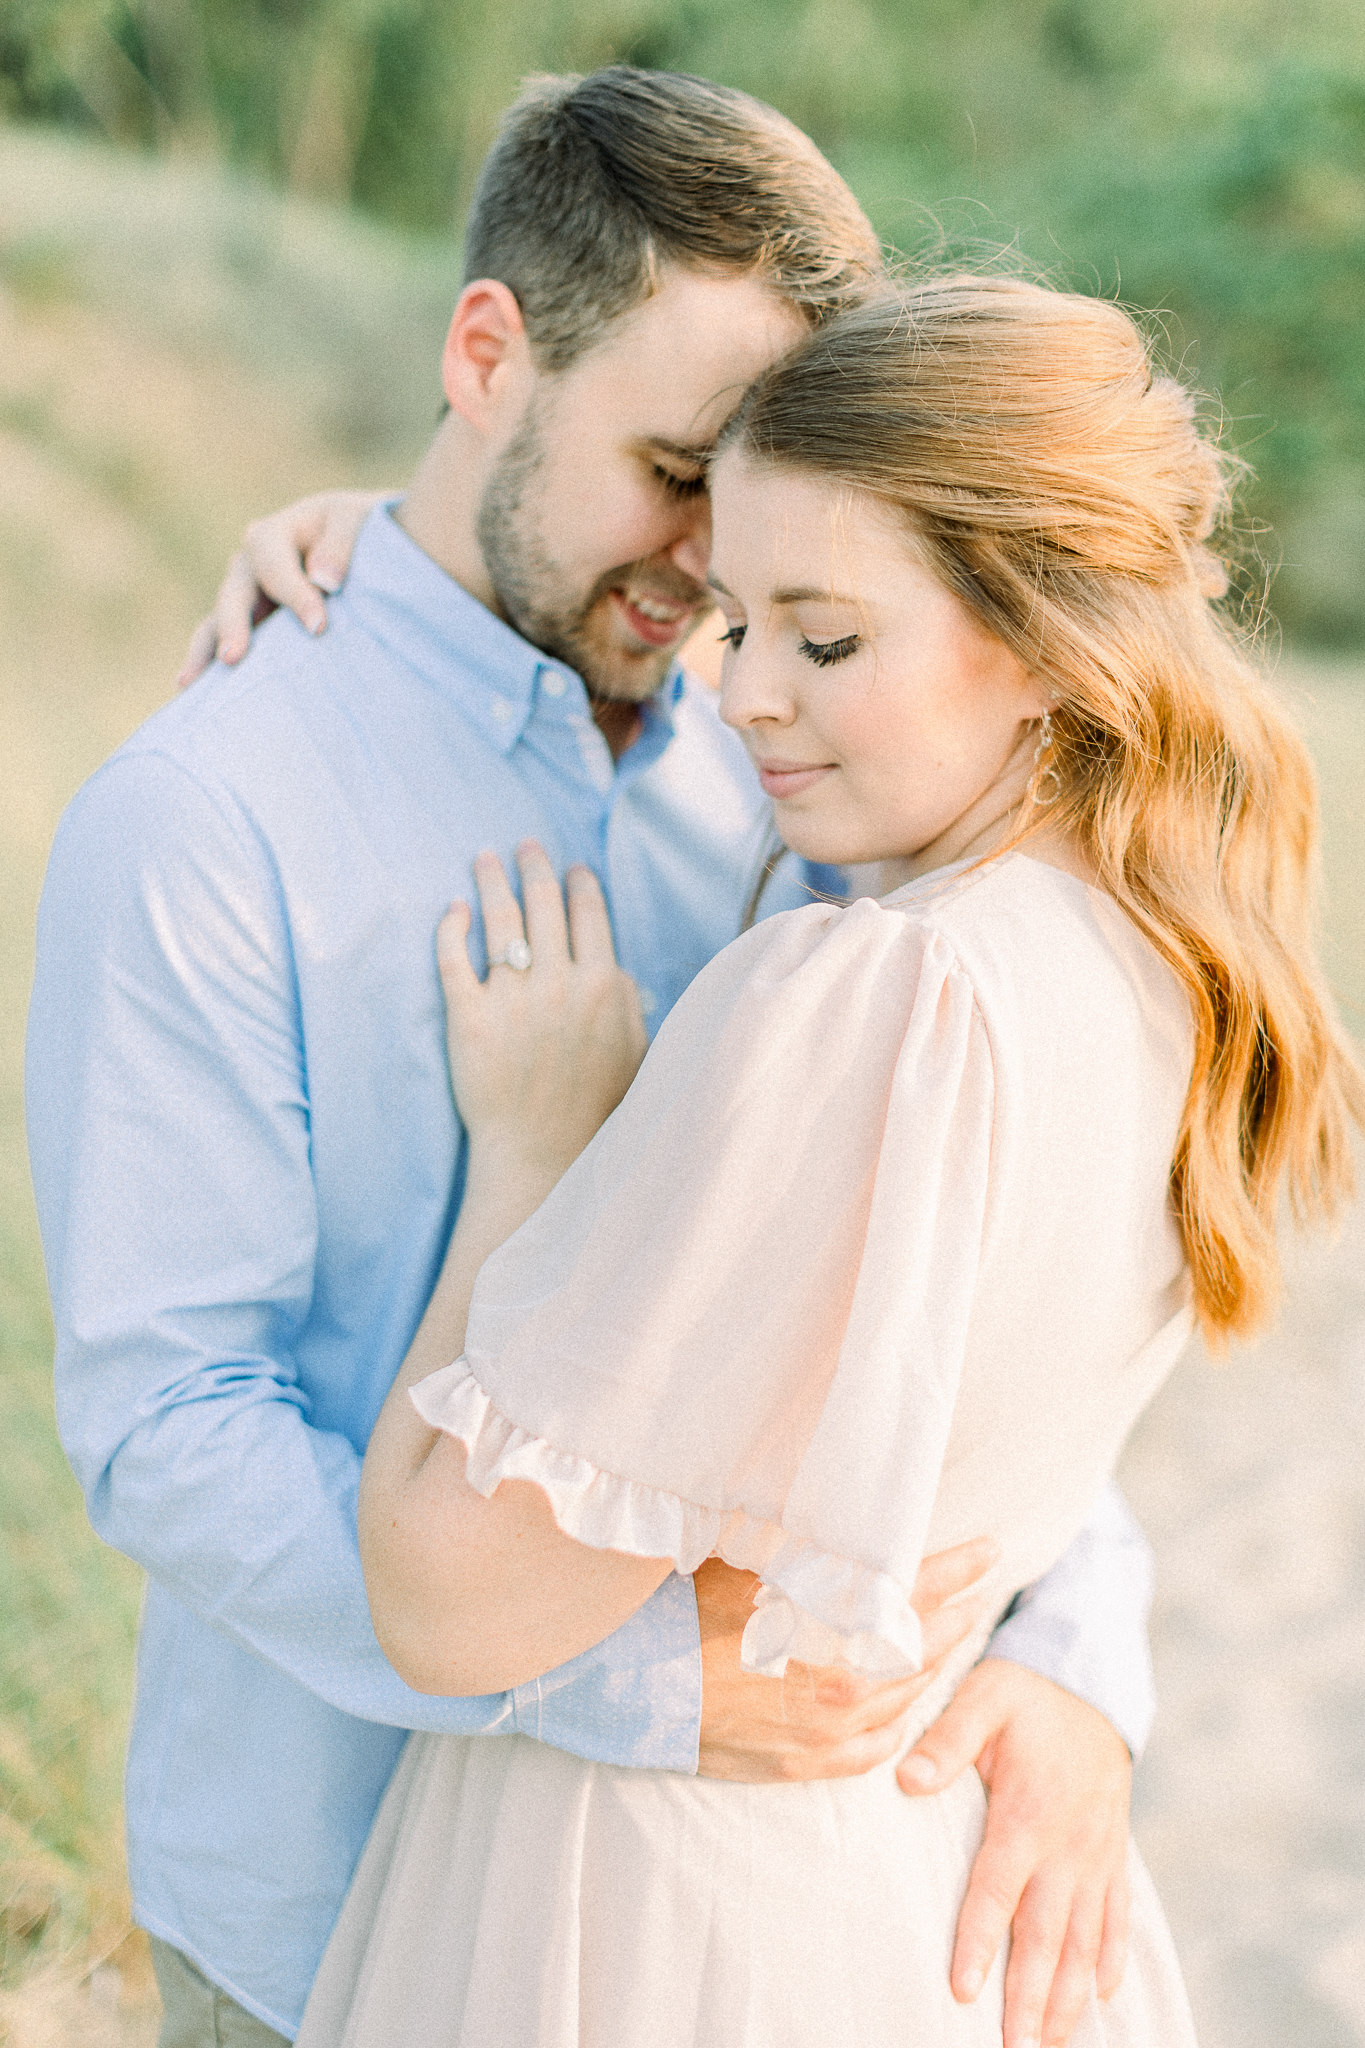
column 1084, row 1625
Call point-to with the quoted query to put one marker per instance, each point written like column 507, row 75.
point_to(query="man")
column 244, row 1147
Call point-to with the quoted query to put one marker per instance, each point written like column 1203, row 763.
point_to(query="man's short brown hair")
column 595, row 182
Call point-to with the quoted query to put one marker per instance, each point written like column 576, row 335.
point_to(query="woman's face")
column 879, row 713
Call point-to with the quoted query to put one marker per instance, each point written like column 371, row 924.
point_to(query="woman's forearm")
column 472, row 1596
column 500, row 1193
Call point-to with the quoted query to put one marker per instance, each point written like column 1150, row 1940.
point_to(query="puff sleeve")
column 738, row 1323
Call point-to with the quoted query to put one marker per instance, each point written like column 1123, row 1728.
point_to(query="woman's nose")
column 750, row 692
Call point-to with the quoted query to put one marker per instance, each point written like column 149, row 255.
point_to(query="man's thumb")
column 944, row 1751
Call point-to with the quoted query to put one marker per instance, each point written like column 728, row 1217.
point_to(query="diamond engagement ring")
column 517, row 956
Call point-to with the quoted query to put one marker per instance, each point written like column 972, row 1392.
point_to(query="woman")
column 903, row 1220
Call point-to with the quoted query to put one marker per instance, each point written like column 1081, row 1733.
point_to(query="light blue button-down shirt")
column 247, row 1162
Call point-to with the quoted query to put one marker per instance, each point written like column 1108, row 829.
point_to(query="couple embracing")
column 598, row 1503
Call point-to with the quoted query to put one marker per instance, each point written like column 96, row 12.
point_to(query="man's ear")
column 486, row 367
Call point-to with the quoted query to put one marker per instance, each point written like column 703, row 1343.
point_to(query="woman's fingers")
column 503, row 926
column 547, row 931
column 456, row 969
column 343, row 515
column 199, row 653
column 589, row 924
column 274, row 553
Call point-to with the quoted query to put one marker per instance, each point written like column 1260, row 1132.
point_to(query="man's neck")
column 620, row 723
column 439, row 511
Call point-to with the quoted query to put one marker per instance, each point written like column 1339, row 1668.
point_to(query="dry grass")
column 176, row 355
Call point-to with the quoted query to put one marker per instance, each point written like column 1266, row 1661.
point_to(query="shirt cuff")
column 1084, row 1625
column 634, row 1699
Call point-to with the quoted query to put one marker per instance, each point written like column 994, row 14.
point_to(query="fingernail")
column 317, row 623
column 920, row 1770
column 326, row 579
column 971, row 1986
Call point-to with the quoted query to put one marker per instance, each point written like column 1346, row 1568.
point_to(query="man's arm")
column 1084, row 1625
column 169, row 1133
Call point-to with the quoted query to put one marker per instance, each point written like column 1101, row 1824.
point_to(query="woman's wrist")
column 507, row 1166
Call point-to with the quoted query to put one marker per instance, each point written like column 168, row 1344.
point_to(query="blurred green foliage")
column 1201, row 157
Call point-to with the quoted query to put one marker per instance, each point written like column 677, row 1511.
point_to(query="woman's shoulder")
column 1035, row 936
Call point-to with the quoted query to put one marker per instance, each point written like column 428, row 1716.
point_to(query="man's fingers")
column 944, row 1630
column 852, row 1758
column 955, row 1740
column 1040, row 1927
column 1002, row 1869
column 1075, row 1973
column 951, row 1571
column 1113, row 1954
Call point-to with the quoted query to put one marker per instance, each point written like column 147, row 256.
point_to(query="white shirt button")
column 502, row 710
column 552, row 682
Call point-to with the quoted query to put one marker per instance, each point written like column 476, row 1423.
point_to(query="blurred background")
column 229, row 244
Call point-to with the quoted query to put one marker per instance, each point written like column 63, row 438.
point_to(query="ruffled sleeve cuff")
column 811, row 1605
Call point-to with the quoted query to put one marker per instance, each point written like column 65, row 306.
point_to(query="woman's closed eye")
column 734, row 637
column 824, row 653
column 680, row 486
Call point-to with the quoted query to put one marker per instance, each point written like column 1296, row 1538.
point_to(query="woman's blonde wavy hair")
column 1061, row 486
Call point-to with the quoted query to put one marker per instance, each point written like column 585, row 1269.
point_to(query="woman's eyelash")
column 735, row 636
column 680, row 486
column 824, row 653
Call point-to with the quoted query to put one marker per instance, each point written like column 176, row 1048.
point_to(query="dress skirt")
column 513, row 1896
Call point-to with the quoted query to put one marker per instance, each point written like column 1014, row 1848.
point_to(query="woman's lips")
column 783, row 779
column 664, row 622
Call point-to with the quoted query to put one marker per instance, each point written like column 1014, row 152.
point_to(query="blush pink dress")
column 878, row 1254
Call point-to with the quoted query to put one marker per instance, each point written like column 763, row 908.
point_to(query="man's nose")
column 691, row 551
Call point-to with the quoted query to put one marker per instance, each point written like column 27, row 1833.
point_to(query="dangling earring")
column 1046, row 785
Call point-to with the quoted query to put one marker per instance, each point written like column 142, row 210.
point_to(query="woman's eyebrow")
column 808, row 594
column 697, row 452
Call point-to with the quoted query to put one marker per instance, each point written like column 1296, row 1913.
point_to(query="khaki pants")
column 198, row 2014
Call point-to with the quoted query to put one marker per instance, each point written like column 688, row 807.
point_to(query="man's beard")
column 531, row 587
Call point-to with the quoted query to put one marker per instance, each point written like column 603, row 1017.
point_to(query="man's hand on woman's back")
column 1051, row 1871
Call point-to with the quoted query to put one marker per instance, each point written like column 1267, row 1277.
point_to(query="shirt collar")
column 407, row 602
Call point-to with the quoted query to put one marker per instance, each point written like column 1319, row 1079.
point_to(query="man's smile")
column 656, row 620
